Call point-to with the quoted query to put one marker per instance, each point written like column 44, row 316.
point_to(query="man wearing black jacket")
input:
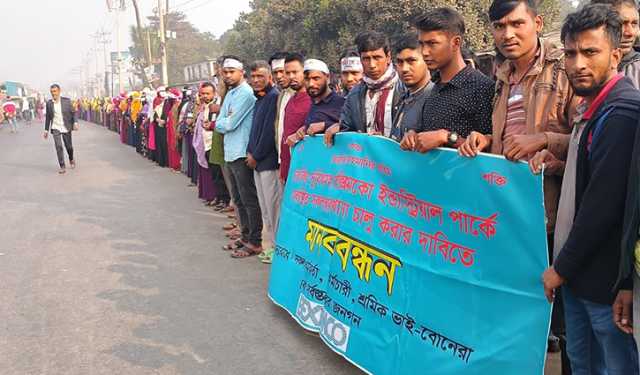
column 595, row 185
column 262, row 155
column 61, row 121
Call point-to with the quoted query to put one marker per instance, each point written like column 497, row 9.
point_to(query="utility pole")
column 96, row 38
column 101, row 38
column 104, row 41
column 87, row 65
column 163, row 45
column 118, row 49
column 149, row 60
column 118, row 6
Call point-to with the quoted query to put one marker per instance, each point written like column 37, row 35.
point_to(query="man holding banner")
column 460, row 102
column 522, row 127
column 597, row 171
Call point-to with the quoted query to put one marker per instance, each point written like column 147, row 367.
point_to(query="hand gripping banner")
column 409, row 263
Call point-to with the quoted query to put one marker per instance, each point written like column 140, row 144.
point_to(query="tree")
column 190, row 46
column 324, row 28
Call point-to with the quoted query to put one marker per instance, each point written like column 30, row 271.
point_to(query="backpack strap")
column 596, row 131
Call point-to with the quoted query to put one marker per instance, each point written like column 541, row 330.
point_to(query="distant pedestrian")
column 10, row 111
column 61, row 121
column 26, row 111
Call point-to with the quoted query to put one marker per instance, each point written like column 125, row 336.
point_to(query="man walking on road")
column 61, row 120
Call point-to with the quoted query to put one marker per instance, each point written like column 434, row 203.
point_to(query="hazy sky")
column 44, row 40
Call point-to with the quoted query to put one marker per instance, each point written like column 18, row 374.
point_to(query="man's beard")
column 295, row 86
column 590, row 91
column 231, row 83
column 283, row 86
column 321, row 92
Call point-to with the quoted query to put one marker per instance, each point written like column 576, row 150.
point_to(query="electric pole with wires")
column 163, row 44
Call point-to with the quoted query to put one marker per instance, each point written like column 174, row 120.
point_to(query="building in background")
column 203, row 71
column 130, row 81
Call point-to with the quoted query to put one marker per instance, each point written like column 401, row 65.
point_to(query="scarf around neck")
column 387, row 80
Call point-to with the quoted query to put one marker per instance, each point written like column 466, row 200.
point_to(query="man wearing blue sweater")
column 262, row 155
column 234, row 121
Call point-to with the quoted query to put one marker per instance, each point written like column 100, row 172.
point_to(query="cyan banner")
column 409, row 263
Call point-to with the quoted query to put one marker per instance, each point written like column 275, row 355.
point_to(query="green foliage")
column 324, row 28
column 190, row 46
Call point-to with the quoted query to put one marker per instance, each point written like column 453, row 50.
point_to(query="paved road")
column 116, row 268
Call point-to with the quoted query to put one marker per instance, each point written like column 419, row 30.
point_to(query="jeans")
column 594, row 344
column 58, row 138
column 243, row 190
column 13, row 123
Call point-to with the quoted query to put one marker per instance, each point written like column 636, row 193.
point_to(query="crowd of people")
column 13, row 109
column 570, row 111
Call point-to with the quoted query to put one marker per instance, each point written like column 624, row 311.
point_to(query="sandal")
column 265, row 254
column 267, row 259
column 230, row 226
column 234, row 246
column 244, row 253
column 240, row 254
column 233, row 233
column 227, row 209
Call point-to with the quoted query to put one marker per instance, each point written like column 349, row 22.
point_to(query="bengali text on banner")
column 409, row 263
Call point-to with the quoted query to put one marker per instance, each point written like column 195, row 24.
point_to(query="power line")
column 206, row 2
column 182, row 4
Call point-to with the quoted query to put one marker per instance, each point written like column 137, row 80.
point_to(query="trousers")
column 58, row 139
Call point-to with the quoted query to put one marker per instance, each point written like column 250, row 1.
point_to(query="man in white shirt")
column 61, row 121
column 26, row 110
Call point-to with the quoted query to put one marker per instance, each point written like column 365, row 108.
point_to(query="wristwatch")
column 452, row 139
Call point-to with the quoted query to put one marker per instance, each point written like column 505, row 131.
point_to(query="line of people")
column 570, row 112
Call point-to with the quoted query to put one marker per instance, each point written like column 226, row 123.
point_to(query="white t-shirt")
column 58, row 120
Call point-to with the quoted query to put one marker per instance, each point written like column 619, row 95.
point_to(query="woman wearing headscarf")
column 171, row 115
column 158, row 129
column 191, row 116
column 183, row 107
column 130, row 121
column 123, row 106
column 136, row 108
